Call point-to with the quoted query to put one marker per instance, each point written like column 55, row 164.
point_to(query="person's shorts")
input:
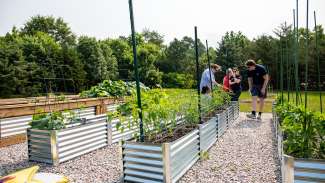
column 256, row 91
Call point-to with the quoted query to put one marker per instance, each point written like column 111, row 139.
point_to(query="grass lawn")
column 313, row 100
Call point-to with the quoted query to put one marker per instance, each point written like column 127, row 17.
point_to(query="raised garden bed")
column 57, row 146
column 222, row 124
column 163, row 162
column 208, row 133
column 235, row 105
column 169, row 161
column 14, row 119
column 296, row 169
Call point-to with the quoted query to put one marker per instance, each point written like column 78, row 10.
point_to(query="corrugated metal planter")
column 117, row 135
column 18, row 125
column 14, row 125
column 208, row 134
column 235, row 105
column 57, row 146
column 230, row 115
column 296, row 169
column 221, row 123
column 166, row 162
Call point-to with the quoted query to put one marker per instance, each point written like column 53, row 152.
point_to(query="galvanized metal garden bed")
column 208, row 133
column 235, row 105
column 18, row 125
column 221, row 123
column 296, row 169
column 166, row 162
column 57, row 146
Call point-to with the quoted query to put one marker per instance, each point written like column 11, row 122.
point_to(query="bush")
column 175, row 80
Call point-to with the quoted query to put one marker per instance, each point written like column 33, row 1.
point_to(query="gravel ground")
column 99, row 166
column 245, row 153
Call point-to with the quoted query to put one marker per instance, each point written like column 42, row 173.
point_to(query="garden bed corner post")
column 54, row 147
column 167, row 164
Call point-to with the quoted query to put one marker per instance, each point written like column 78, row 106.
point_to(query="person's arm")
column 266, row 81
column 250, row 83
column 232, row 81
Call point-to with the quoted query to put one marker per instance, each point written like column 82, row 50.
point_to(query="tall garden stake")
column 306, row 121
column 295, row 56
column 136, row 70
column 318, row 67
column 197, row 73
column 209, row 65
column 287, row 65
column 306, row 53
column 281, row 67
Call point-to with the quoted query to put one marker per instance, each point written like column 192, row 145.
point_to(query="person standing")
column 226, row 79
column 235, row 84
column 206, row 79
column 258, row 79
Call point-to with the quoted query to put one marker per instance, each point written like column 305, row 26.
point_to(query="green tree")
column 56, row 28
column 153, row 37
column 92, row 57
column 233, row 50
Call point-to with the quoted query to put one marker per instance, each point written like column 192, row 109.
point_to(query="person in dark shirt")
column 258, row 79
column 235, row 84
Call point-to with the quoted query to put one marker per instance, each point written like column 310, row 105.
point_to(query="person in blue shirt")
column 258, row 79
column 206, row 79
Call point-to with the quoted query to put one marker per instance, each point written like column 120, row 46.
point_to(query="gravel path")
column 231, row 159
column 99, row 166
column 245, row 153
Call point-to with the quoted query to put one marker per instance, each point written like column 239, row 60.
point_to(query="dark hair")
column 250, row 63
column 205, row 90
column 215, row 66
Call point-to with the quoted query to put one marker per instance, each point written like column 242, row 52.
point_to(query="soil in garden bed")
column 166, row 136
column 210, row 115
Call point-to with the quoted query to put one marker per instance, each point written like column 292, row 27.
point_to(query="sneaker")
column 251, row 116
column 259, row 117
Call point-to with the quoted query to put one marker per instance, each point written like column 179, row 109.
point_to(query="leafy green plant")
column 162, row 109
column 54, row 120
column 304, row 131
column 112, row 88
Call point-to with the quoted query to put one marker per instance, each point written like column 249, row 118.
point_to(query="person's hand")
column 263, row 91
column 6, row 178
column 250, row 91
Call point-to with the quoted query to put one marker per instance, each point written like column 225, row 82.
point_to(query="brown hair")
column 250, row 63
column 215, row 66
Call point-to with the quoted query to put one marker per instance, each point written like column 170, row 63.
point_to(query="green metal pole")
column 197, row 74
column 287, row 64
column 306, row 54
column 209, row 65
column 134, row 46
column 298, row 95
column 318, row 67
column 281, row 67
column 295, row 56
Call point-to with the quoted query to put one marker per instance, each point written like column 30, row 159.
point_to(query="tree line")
column 45, row 56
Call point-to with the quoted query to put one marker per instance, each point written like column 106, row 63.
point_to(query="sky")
column 171, row 18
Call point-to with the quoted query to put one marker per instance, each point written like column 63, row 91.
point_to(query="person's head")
column 250, row 64
column 205, row 90
column 229, row 72
column 236, row 71
column 215, row 68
